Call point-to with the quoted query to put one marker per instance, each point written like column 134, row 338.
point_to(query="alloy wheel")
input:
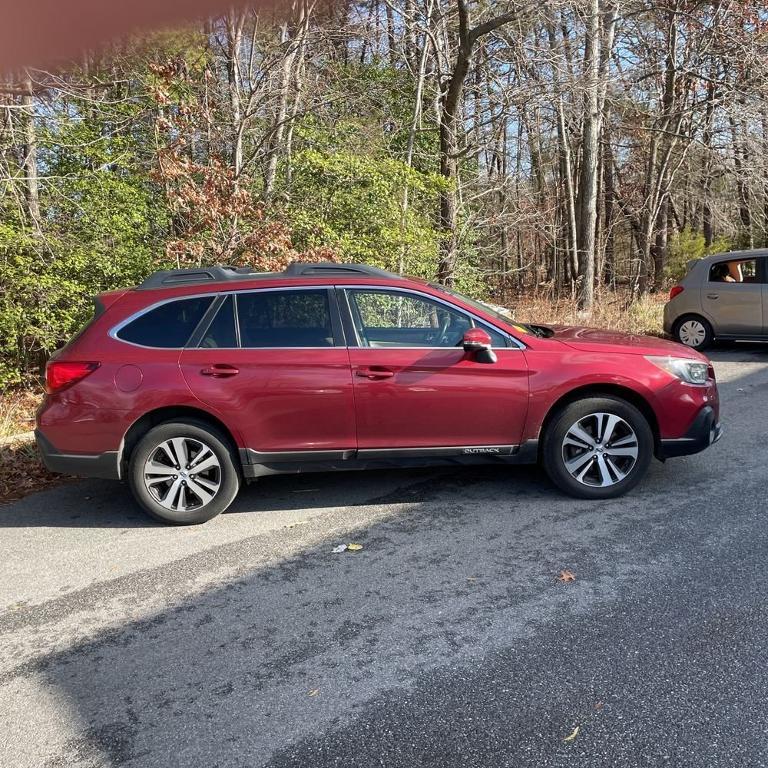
column 182, row 474
column 600, row 450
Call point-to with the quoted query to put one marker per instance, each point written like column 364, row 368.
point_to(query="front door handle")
column 713, row 295
column 374, row 373
column 220, row 371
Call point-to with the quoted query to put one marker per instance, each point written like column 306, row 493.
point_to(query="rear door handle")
column 713, row 295
column 220, row 371
column 374, row 373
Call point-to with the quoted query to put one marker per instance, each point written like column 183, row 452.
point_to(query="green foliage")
column 101, row 229
column 353, row 204
column 689, row 244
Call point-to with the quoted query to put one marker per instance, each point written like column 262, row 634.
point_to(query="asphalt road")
column 447, row 641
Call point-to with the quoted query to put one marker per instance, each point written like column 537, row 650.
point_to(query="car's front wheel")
column 693, row 331
column 184, row 473
column 597, row 448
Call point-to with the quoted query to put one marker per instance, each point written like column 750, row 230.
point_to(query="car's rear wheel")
column 184, row 473
column 693, row 331
column 597, row 448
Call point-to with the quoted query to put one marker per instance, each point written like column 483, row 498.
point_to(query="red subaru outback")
column 198, row 380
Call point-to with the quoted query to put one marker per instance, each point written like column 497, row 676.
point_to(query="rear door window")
column 168, row 325
column 299, row 318
column 736, row 271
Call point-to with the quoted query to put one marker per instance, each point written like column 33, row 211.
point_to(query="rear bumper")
column 703, row 432
column 669, row 318
column 105, row 465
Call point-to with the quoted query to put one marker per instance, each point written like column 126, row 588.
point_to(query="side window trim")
column 238, row 337
column 342, row 325
column 337, row 325
column 351, row 328
column 205, row 323
column 347, row 319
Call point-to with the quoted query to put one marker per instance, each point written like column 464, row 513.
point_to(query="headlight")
column 689, row 371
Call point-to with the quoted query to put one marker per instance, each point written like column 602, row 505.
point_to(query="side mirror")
column 478, row 343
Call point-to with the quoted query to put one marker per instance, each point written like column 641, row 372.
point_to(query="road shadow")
column 296, row 637
column 109, row 504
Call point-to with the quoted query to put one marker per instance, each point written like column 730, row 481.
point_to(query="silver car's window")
column 735, row 271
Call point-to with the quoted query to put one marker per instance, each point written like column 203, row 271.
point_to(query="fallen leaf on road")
column 599, row 705
column 313, row 692
column 572, row 735
column 566, row 576
column 354, row 547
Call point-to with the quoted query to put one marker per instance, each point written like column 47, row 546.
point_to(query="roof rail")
column 322, row 268
column 168, row 278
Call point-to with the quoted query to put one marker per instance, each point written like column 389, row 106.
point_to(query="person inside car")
column 735, row 271
column 721, row 274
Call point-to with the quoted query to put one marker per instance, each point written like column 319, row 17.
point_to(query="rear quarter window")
column 168, row 325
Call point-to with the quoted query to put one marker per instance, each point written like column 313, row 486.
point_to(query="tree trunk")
column 609, row 192
column 659, row 247
column 706, row 184
column 391, row 39
column 449, row 149
column 415, row 122
column 740, row 163
column 30, row 154
column 234, row 41
column 286, row 70
column 587, row 197
column 449, row 145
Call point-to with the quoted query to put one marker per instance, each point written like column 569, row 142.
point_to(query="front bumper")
column 703, row 432
column 105, row 465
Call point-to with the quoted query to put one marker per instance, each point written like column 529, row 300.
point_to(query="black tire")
column 226, row 476
column 583, row 413
column 684, row 322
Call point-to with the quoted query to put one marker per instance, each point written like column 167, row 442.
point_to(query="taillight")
column 676, row 291
column 59, row 375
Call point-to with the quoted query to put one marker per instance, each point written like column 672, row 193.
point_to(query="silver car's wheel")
column 600, row 450
column 182, row 474
column 692, row 333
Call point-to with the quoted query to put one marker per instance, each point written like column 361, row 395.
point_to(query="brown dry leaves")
column 22, row 472
column 17, row 410
column 566, row 576
column 613, row 310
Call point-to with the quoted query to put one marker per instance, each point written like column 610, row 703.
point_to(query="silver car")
column 724, row 296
